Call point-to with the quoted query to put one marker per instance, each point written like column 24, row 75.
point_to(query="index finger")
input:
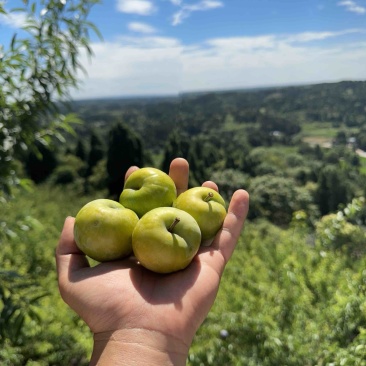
column 69, row 258
column 179, row 172
column 226, row 239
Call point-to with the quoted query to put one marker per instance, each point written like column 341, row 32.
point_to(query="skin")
column 139, row 317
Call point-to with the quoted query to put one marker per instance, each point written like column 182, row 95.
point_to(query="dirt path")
column 361, row 153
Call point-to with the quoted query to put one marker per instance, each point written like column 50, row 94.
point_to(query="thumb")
column 69, row 258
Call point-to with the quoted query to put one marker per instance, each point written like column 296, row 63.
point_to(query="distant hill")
column 317, row 90
column 341, row 104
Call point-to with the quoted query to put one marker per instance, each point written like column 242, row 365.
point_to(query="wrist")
column 130, row 347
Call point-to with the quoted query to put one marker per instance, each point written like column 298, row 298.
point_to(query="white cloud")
column 140, row 7
column 186, row 9
column 13, row 20
column 162, row 65
column 318, row 36
column 147, row 42
column 151, row 65
column 352, row 6
column 205, row 5
column 141, row 28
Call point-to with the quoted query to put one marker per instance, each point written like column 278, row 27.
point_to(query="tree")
column 96, row 152
column 361, row 138
column 80, row 151
column 332, row 189
column 202, row 157
column 37, row 69
column 176, row 146
column 40, row 163
column 341, row 138
column 277, row 198
column 124, row 150
column 337, row 230
column 39, row 66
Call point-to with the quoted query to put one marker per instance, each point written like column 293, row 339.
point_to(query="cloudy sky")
column 159, row 47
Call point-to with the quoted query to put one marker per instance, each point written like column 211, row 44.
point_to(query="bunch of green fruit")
column 163, row 231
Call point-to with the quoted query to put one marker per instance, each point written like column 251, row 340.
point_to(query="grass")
column 317, row 129
column 37, row 218
column 363, row 166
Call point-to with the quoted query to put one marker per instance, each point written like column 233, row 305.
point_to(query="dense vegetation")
column 294, row 292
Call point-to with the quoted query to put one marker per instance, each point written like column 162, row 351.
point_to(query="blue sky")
column 155, row 47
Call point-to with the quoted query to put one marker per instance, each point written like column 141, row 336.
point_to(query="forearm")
column 138, row 347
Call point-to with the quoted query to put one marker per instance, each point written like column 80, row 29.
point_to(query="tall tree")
column 124, row 150
column 80, row 150
column 96, row 152
column 332, row 189
column 176, row 146
column 37, row 69
column 40, row 163
column 203, row 157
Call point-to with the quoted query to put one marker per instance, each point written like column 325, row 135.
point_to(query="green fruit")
column 207, row 207
column 166, row 240
column 146, row 189
column 103, row 230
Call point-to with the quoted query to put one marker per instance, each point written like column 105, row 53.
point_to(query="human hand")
column 140, row 317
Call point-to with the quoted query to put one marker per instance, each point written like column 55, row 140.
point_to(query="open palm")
column 123, row 295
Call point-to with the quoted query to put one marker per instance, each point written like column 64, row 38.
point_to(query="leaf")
column 73, row 118
column 17, row 325
column 10, row 274
column 13, row 40
column 95, row 29
column 18, row 9
column 26, row 184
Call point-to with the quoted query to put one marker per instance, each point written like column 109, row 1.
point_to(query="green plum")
column 207, row 207
column 146, row 189
column 103, row 230
column 166, row 240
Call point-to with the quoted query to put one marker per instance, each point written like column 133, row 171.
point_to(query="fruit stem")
column 172, row 226
column 208, row 197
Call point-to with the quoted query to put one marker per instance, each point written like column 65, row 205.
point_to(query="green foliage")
column 80, row 150
column 285, row 302
column 287, row 297
column 277, row 198
column 36, row 327
column 19, row 300
column 229, row 180
column 96, row 152
column 202, row 157
column 40, row 163
column 271, row 123
column 177, row 146
column 98, row 180
column 202, row 154
column 342, row 230
column 71, row 170
column 38, row 66
column 332, row 189
column 124, row 150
